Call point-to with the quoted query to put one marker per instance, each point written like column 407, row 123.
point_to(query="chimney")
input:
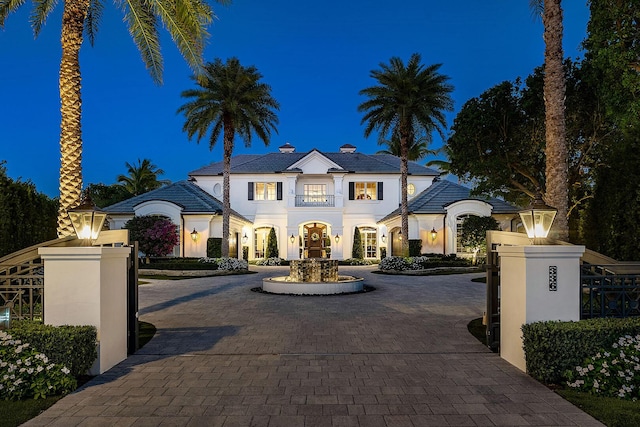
column 347, row 148
column 287, row 148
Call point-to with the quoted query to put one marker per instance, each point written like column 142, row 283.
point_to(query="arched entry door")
column 314, row 234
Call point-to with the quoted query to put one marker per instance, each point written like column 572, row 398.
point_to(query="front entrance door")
column 314, row 240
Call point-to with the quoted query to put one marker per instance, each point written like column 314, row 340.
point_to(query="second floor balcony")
column 307, row 200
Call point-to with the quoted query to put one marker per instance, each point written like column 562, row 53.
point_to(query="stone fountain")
column 313, row 276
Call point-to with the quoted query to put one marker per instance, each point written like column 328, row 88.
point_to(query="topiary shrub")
column 214, row 247
column 415, row 247
column 72, row 346
column 272, row 245
column 553, row 348
column 358, row 250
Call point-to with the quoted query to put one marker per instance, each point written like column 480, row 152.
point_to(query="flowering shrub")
column 396, row 263
column 231, row 264
column 156, row 236
column 24, row 372
column 357, row 261
column 614, row 372
column 270, row 261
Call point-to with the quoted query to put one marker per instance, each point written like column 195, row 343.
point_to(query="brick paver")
column 399, row 356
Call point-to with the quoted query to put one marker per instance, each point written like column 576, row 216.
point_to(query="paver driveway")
column 399, row 356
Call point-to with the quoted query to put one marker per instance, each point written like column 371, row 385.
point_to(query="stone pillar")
column 88, row 286
column 537, row 283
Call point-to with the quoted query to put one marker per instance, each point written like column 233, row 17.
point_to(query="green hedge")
column 214, row 247
column 552, row 348
column 415, row 247
column 184, row 265
column 72, row 346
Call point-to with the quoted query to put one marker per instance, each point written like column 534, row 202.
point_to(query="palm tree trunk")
column 557, row 194
column 73, row 18
column 229, row 133
column 404, row 205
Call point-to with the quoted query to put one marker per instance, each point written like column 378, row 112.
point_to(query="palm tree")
column 444, row 166
column 407, row 101
column 142, row 177
column 417, row 150
column 186, row 22
column 230, row 100
column 556, row 151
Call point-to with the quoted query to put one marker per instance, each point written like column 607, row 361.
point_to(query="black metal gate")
column 133, row 328
column 492, row 314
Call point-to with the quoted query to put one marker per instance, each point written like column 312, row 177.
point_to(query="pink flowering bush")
column 156, row 236
column 25, row 372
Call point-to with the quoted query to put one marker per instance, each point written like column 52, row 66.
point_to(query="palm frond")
column 143, row 27
column 39, row 13
column 7, row 7
column 94, row 14
column 537, row 8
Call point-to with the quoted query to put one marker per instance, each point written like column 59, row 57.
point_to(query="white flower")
column 65, row 370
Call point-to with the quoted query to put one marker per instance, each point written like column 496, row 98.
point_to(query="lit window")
column 369, row 238
column 411, row 189
column 265, row 191
column 366, row 191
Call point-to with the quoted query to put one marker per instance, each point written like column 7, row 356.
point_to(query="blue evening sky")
column 315, row 55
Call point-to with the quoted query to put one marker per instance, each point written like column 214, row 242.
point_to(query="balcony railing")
column 315, row 200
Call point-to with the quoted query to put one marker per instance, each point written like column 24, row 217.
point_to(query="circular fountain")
column 313, row 276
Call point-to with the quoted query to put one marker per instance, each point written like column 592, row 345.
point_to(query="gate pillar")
column 88, row 286
column 538, row 283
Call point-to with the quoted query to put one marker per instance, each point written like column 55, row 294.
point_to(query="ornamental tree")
column 156, row 235
column 474, row 233
column 272, row 244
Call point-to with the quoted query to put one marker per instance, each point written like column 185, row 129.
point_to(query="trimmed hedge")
column 214, row 247
column 552, row 348
column 415, row 247
column 72, row 346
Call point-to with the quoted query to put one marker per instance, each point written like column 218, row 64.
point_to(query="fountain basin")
column 284, row 285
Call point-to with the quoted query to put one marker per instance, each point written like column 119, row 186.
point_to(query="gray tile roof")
column 441, row 194
column 190, row 197
column 279, row 162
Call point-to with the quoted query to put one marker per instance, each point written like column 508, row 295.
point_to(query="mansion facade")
column 314, row 201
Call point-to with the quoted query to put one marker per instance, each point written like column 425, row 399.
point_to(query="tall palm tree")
column 556, row 151
column 186, row 22
column 142, row 177
column 230, row 100
column 407, row 101
column 417, row 150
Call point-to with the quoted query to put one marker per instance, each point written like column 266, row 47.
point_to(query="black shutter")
column 352, row 191
column 380, row 191
column 250, row 191
column 279, row 190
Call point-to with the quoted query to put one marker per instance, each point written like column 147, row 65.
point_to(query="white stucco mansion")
column 314, row 200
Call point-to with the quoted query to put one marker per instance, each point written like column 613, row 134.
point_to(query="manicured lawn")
column 610, row 411
column 14, row 413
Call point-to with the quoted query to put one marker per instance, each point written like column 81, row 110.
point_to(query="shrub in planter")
column 71, row 346
column 26, row 372
column 554, row 348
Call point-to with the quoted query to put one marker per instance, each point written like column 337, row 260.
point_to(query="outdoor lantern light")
column 245, row 239
column 337, row 238
column 194, row 235
column 292, row 239
column 86, row 219
column 434, row 234
column 537, row 218
column 400, row 235
column 383, row 238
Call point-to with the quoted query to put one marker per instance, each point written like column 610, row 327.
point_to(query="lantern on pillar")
column 537, row 218
column 86, row 219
